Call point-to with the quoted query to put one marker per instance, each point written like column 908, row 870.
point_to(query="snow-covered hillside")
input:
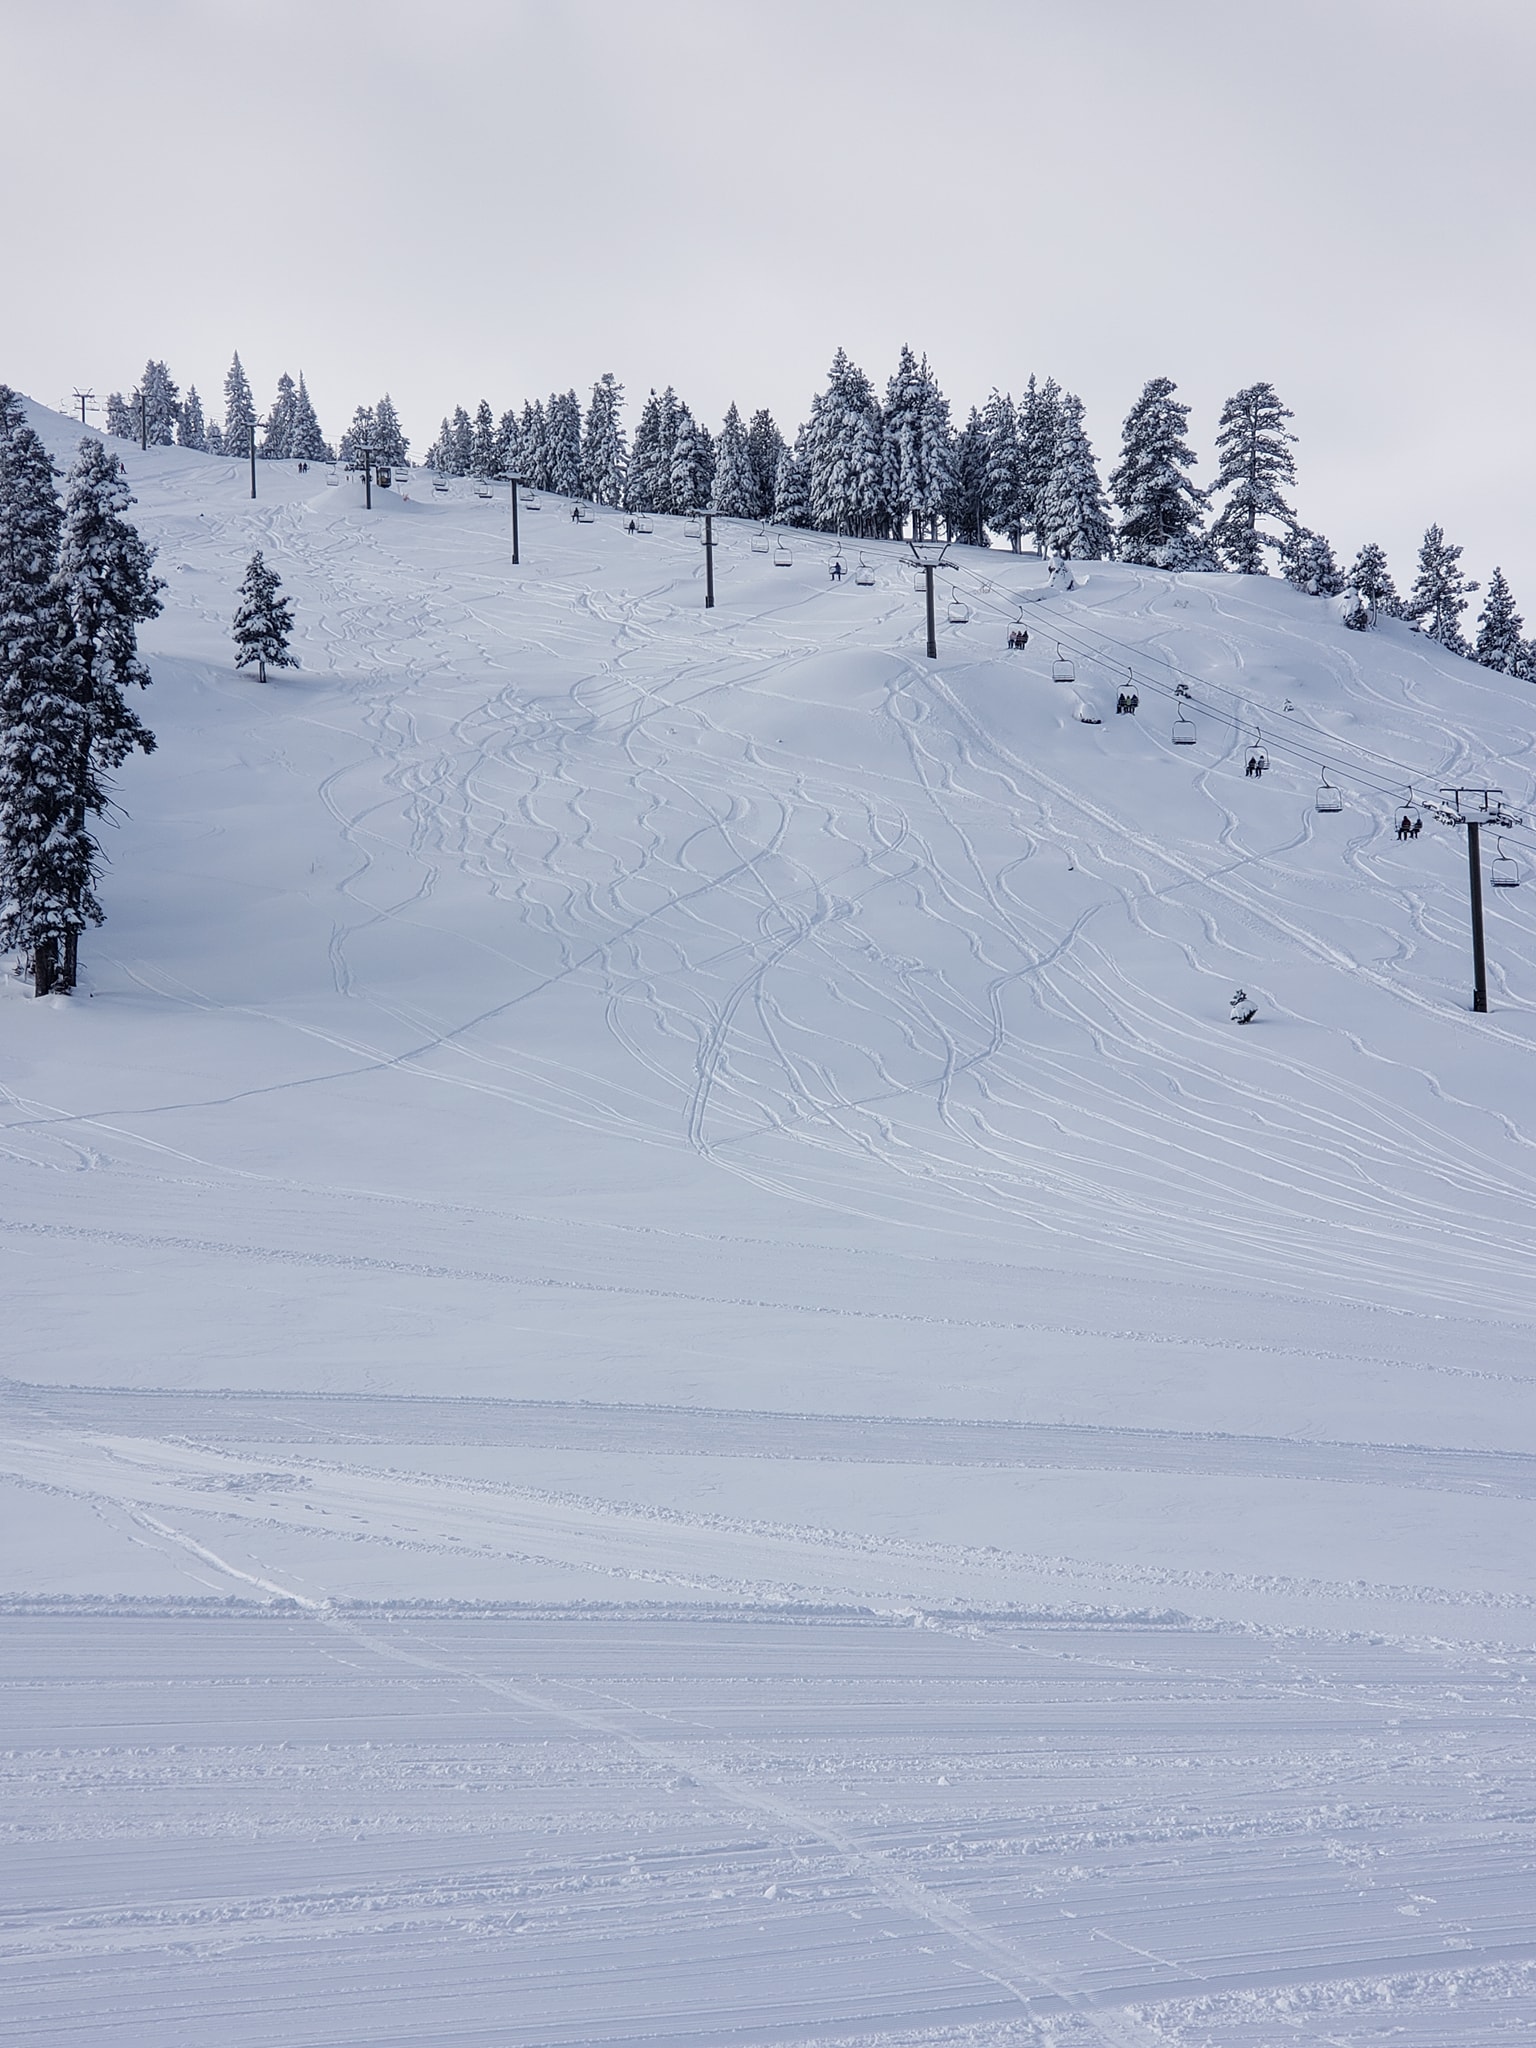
column 976, row 1500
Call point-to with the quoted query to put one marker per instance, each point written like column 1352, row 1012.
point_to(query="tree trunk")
column 71, row 968
column 261, row 670
column 45, row 966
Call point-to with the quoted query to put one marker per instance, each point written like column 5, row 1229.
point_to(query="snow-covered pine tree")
column 918, row 445
column 1039, row 427
column 1500, row 643
column 688, row 476
column 604, row 456
column 1003, row 492
column 965, row 506
column 1357, row 613
column 534, row 447
column 277, row 439
column 509, row 446
column 1310, row 564
column 791, row 500
column 645, row 487
column 1159, row 503
column 735, row 489
column 482, row 445
column 239, row 410
column 1255, row 461
column 360, row 436
column 215, row 438
column 47, row 857
column 263, row 621
column 108, row 586
column 120, row 421
column 1370, row 576
column 765, row 444
column 161, row 406
column 191, row 427
column 307, row 443
column 460, row 437
column 1440, row 592
column 390, row 445
column 562, row 418
column 1073, row 519
column 844, row 441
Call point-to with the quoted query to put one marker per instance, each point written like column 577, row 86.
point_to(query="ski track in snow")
column 715, row 1403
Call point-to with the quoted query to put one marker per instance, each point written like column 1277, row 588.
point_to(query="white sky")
column 488, row 197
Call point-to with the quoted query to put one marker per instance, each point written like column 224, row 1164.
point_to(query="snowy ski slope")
column 672, row 1380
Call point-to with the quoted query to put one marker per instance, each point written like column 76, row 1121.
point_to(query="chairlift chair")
column 781, row 556
column 642, row 524
column 585, row 516
column 1258, row 760
column 1062, row 670
column 1183, row 731
column 959, row 610
column 1410, row 823
column 760, row 543
column 1329, row 798
column 1505, row 871
column 530, row 504
column 483, row 488
column 440, row 483
column 692, row 530
column 333, row 475
column 864, row 575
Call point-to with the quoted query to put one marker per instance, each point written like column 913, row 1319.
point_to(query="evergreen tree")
column 155, row 406
column 918, row 445
column 688, row 477
column 603, row 454
column 1357, row 613
column 1003, row 488
column 307, row 443
column 1310, row 564
column 1499, row 630
column 791, row 501
column 509, row 446
column 263, row 621
column 120, row 421
column 533, row 440
column 645, row 488
column 1255, row 461
column 389, row 443
column 108, row 586
column 1159, row 503
column 735, row 489
column 360, row 436
column 765, row 444
column 215, row 438
column 277, row 440
column 1440, row 593
column 47, row 857
column 844, row 439
column 1370, row 576
column 239, row 410
column 965, row 506
column 1073, row 520
column 482, row 445
column 562, row 419
column 1039, row 428
column 191, row 429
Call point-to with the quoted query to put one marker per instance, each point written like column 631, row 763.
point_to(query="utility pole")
column 1475, row 808
column 929, row 555
column 367, row 455
column 516, row 555
column 144, row 426
column 250, row 431
column 709, row 561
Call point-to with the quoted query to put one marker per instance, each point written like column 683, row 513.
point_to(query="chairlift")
column 1329, row 798
column 483, row 488
column 1258, row 760
column 333, row 475
column 781, row 556
column 530, row 504
column 760, row 543
column 642, row 524
column 383, row 479
column 1183, row 731
column 1505, row 871
column 692, row 530
column 1409, row 821
column 440, row 483
column 959, row 610
column 585, row 516
column 864, row 575
column 1062, row 670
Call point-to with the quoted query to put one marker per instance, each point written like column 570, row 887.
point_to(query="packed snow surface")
column 673, row 1380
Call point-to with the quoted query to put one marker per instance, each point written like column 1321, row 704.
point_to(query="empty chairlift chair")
column 483, row 487
column 692, row 530
column 1505, row 871
column 760, row 543
column 1062, row 670
column 959, row 610
column 1183, row 728
column 1329, row 798
column 781, row 555
column 864, row 575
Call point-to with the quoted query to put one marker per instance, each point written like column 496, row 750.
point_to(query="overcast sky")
column 456, row 198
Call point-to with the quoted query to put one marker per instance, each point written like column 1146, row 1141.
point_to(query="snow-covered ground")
column 672, row 1380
